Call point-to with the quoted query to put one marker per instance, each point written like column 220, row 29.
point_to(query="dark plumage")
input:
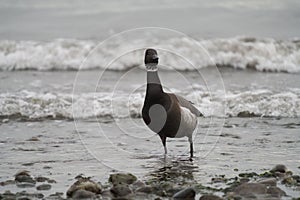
column 166, row 114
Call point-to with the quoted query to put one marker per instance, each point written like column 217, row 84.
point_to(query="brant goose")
column 166, row 114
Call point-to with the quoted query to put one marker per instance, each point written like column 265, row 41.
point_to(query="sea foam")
column 30, row 105
column 267, row 55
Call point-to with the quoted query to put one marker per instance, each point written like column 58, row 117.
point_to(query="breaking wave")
column 37, row 106
column 267, row 55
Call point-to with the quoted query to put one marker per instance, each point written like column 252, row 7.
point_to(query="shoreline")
column 169, row 182
column 54, row 149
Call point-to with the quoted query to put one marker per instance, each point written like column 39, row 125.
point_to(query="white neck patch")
column 151, row 68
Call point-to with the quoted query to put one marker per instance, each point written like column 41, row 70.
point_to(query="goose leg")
column 165, row 150
column 191, row 149
column 163, row 140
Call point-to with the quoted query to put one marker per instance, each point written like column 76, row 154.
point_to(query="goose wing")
column 189, row 105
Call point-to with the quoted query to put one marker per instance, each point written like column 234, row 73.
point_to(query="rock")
column 279, row 174
column 219, row 180
column 25, row 184
column 276, row 191
column 210, row 197
column 28, row 164
column 279, row 168
column 137, row 184
column 8, row 182
column 246, row 114
column 269, row 181
column 290, row 181
column 25, row 195
column 267, row 174
column 297, row 178
column 44, row 179
column 41, row 179
column 234, row 197
column 244, row 180
column 120, row 178
column 24, row 177
column 83, row 194
column 55, row 196
column 8, row 195
column 44, row 187
column 24, row 198
column 33, row 139
column 247, row 189
column 248, row 175
column 51, row 181
column 106, row 194
column 84, row 184
column 120, row 190
column 188, row 193
column 145, row 189
column 164, row 188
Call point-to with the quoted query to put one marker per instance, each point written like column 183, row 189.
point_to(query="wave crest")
column 68, row 54
column 36, row 106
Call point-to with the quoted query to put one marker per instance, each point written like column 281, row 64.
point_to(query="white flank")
column 188, row 123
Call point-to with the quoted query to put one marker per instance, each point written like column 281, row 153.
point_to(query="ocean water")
column 74, row 78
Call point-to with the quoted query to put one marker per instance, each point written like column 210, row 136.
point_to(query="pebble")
column 279, row 168
column 297, row 178
column 24, row 177
column 25, row 185
column 276, row 191
column 55, row 196
column 84, row 184
column 138, row 184
column 51, row 181
column 250, row 188
column 246, row 114
column 120, row 178
column 269, row 182
column 106, row 194
column 188, row 193
column 248, row 175
column 210, row 197
column 83, row 194
column 244, row 180
column 7, row 182
column 126, row 186
column 44, row 187
column 219, row 180
column 289, row 181
column 7, row 195
column 41, row 179
column 24, row 198
column 145, row 189
column 24, row 180
column 33, row 139
column 120, row 190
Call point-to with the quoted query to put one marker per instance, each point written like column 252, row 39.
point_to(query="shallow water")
column 99, row 145
column 97, row 149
